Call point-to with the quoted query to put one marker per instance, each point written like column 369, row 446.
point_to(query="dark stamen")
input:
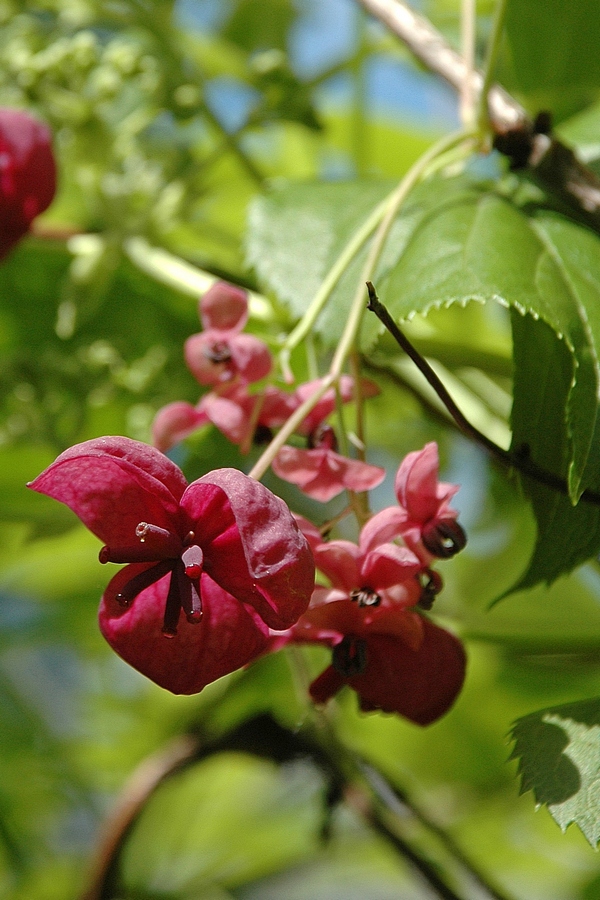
column 172, row 607
column 431, row 585
column 141, row 581
column 350, row 656
column 218, row 352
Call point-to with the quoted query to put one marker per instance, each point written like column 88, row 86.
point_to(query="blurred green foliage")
column 166, row 131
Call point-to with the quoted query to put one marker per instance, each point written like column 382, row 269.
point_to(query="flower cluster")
column 395, row 658
column 219, row 572
column 228, row 360
column 27, row 174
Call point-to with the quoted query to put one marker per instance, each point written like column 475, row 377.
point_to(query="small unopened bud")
column 444, row 538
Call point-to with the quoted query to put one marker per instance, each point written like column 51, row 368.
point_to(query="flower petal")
column 416, row 485
column 252, row 545
column 227, row 637
column 113, row 484
column 341, row 562
column 174, row 422
column 224, row 307
column 420, row 685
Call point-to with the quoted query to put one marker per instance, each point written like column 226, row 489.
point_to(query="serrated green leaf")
column 296, row 234
column 480, row 246
column 559, row 760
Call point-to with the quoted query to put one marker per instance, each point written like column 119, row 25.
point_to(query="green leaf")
column 296, row 234
column 559, row 760
column 554, row 53
column 478, row 245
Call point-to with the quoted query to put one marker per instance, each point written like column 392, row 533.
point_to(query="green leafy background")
column 91, row 344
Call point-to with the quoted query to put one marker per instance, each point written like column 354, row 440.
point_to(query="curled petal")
column 230, row 411
column 416, row 485
column 224, row 307
column 113, row 484
column 383, row 527
column 391, row 571
column 341, row 562
column 326, row 405
column 252, row 545
column 251, row 357
column 227, row 637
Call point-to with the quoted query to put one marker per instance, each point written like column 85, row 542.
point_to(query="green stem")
column 358, row 307
column 181, row 275
column 358, row 239
column 489, row 67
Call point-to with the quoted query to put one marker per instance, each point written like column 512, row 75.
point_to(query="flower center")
column 218, row 352
column 183, row 559
column 365, row 596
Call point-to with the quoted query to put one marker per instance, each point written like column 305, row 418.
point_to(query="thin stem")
column 467, row 93
column 356, row 242
column 348, row 338
column 489, row 67
column 510, row 459
column 428, row 45
column 181, row 275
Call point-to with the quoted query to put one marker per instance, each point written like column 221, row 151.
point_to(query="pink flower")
column 239, row 415
column 221, row 352
column 27, row 174
column 395, row 659
column 224, row 550
column 326, row 405
column 424, row 518
column 323, row 474
column 386, row 575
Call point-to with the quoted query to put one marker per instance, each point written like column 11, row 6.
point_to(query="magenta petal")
column 227, row 637
column 175, row 422
column 251, row 357
column 417, row 487
column 253, row 547
column 224, row 307
column 113, row 484
column 322, row 473
column 383, row 527
column 340, row 561
column 389, row 564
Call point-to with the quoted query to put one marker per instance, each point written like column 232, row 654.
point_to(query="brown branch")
column 143, row 783
column 428, row 45
column 509, row 459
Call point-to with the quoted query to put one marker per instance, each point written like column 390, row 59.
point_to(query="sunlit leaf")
column 559, row 760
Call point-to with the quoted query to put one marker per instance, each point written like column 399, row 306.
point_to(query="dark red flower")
column 27, row 174
column 382, row 647
column 418, row 682
column 223, row 550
